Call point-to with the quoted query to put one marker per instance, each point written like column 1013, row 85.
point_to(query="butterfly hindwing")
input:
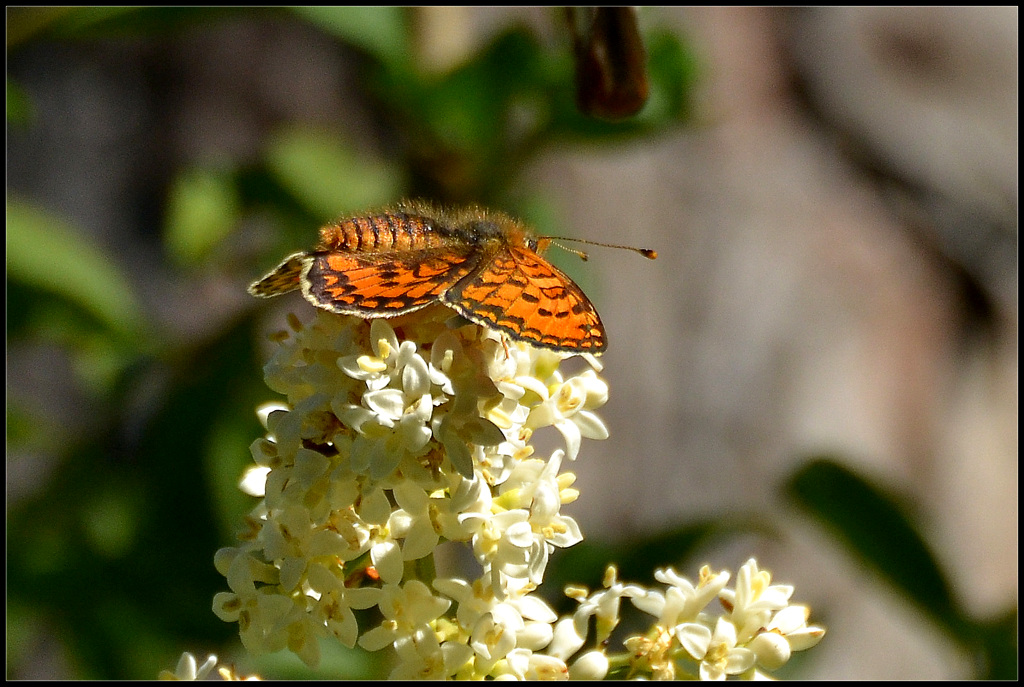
column 282, row 279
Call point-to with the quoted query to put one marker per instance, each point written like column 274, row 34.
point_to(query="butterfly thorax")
column 499, row 230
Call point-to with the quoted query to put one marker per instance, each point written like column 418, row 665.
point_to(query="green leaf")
column 61, row 23
column 469, row 108
column 327, row 176
column 19, row 107
column 46, row 253
column 874, row 527
column 674, row 71
column 997, row 659
column 202, row 209
column 25, row 23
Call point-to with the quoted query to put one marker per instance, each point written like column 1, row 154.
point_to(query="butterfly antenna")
column 581, row 254
column 646, row 252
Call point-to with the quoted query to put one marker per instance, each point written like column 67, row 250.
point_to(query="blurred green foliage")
column 111, row 543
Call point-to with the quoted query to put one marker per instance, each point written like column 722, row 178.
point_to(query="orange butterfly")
column 484, row 265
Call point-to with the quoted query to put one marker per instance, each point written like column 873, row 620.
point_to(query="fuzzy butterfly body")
column 486, row 266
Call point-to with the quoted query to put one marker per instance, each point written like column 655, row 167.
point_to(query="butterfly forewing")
column 522, row 294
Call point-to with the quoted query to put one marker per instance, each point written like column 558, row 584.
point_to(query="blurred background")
column 820, row 370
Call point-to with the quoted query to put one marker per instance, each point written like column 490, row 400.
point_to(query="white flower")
column 592, row 665
column 567, row 639
column 503, row 543
column 681, row 602
column 465, row 496
column 395, row 416
column 254, row 481
column 603, row 604
column 568, row 408
column 377, row 370
column 498, row 626
column 474, row 599
column 413, row 521
column 386, row 555
column 717, row 652
column 494, row 635
column 335, row 603
column 754, row 600
column 408, row 611
column 791, row 623
column 787, row 632
column 536, row 485
column 422, row 657
column 187, row 669
column 523, row 664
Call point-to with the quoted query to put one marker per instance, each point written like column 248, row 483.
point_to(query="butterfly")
column 484, row 265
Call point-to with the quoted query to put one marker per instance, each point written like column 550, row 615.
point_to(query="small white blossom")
column 681, row 602
column 603, row 605
column 791, row 623
column 413, row 520
column 567, row 639
column 494, row 635
column 717, row 652
column 754, row 600
column 787, row 632
column 254, row 481
column 408, row 611
column 423, row 657
column 504, row 544
column 569, row 408
column 592, row 665
column 522, row 664
column 188, row 670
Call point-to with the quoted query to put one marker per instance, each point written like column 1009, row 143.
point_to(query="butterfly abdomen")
column 385, row 232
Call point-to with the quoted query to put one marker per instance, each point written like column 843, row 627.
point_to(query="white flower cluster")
column 384, row 449
column 758, row 632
